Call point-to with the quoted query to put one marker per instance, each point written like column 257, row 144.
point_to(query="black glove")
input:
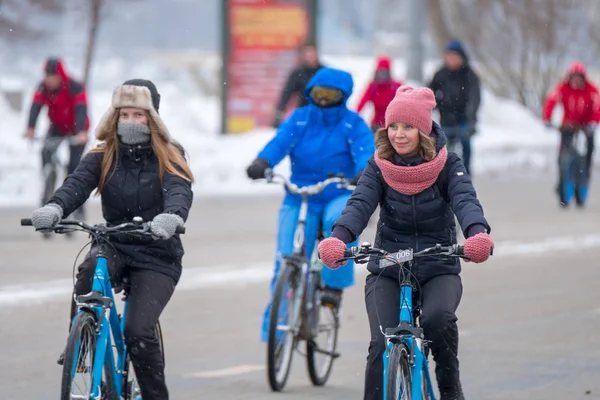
column 257, row 169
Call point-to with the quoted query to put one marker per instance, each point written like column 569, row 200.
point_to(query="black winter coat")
column 418, row 221
column 295, row 84
column 457, row 94
column 133, row 189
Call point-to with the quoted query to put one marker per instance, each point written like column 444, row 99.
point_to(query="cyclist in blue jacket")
column 322, row 138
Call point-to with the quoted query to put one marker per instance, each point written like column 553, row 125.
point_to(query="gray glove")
column 47, row 217
column 164, row 225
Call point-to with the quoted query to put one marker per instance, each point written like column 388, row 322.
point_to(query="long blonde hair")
column 170, row 157
column 386, row 151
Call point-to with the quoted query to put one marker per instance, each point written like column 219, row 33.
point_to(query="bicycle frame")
column 572, row 176
column 299, row 259
column 412, row 337
column 103, row 298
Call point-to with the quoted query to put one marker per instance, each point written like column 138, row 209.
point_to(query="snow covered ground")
column 510, row 137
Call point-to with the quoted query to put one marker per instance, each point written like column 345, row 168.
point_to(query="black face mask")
column 382, row 75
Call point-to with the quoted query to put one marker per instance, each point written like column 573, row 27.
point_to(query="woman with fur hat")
column 414, row 213
column 138, row 170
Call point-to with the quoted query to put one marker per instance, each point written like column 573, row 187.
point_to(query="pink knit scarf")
column 414, row 179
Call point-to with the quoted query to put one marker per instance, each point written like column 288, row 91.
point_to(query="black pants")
column 51, row 143
column 566, row 138
column 149, row 294
column 440, row 298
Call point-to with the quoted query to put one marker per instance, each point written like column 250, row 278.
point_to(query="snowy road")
column 529, row 318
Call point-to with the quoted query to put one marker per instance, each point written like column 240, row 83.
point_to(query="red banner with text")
column 264, row 36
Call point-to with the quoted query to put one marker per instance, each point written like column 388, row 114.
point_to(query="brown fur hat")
column 135, row 96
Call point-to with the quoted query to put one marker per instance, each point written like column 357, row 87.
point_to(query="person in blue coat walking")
column 322, row 138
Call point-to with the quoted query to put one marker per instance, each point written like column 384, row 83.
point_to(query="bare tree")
column 94, row 13
column 438, row 27
column 96, row 10
column 521, row 46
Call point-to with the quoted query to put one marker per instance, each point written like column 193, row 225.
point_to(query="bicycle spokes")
column 83, row 367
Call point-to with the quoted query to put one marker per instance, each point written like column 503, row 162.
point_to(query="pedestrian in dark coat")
column 138, row 170
column 296, row 82
column 415, row 212
column 458, row 95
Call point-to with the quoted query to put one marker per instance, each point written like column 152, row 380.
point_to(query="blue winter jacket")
column 322, row 141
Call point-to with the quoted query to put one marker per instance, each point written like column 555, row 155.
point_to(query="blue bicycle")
column 405, row 367
column 90, row 350
column 573, row 176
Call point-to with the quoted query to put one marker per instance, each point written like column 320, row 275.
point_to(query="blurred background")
column 520, row 49
column 540, row 289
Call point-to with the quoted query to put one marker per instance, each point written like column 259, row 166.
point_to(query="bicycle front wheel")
column 282, row 337
column 78, row 367
column 399, row 379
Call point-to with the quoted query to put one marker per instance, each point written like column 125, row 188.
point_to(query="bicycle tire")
column 399, row 369
column 320, row 378
column 580, row 182
column 49, row 185
column 130, row 385
column 277, row 376
column 425, row 391
column 85, row 323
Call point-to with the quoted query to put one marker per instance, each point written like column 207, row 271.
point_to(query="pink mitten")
column 478, row 247
column 331, row 250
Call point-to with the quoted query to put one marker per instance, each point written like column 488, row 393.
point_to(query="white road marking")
column 226, row 372
column 234, row 275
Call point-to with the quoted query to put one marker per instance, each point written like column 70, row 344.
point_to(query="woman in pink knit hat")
column 420, row 188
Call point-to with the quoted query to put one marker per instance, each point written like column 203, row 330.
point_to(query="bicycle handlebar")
column 137, row 226
column 361, row 253
column 310, row 190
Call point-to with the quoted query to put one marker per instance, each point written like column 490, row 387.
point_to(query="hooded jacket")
column 379, row 94
column 581, row 106
column 67, row 107
column 322, row 141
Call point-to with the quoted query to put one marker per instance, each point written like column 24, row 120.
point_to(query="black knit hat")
column 151, row 87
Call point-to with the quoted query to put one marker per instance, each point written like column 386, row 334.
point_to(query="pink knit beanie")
column 412, row 106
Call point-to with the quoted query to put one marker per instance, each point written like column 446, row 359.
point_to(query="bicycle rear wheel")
column 79, row 360
column 320, row 349
column 49, row 182
column 131, row 386
column 282, row 338
column 581, row 181
column 399, row 378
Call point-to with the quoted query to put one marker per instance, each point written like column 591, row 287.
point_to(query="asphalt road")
column 529, row 318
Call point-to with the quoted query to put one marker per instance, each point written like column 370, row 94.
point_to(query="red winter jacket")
column 581, row 106
column 67, row 107
column 380, row 94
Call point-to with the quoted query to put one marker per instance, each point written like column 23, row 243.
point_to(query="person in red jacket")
column 67, row 110
column 581, row 104
column 380, row 92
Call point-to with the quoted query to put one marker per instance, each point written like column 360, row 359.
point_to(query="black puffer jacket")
column 458, row 95
column 134, row 189
column 417, row 221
